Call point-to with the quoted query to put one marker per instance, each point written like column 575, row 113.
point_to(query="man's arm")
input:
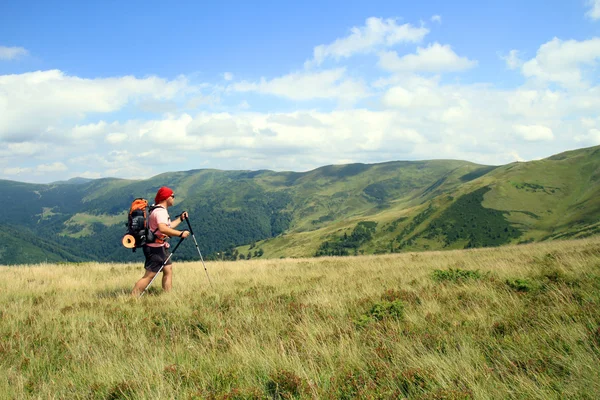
column 165, row 230
column 179, row 219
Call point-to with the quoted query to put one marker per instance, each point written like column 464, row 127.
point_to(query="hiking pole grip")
column 189, row 225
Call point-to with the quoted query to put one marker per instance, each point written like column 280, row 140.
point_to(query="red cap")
column 162, row 194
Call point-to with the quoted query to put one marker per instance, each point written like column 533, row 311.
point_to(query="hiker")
column 157, row 252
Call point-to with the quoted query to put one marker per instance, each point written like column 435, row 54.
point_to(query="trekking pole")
column 198, row 248
column 161, row 267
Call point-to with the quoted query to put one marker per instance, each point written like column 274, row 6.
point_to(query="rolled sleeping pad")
column 128, row 241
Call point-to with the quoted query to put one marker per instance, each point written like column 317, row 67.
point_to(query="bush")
column 285, row 385
column 455, row 275
column 522, row 285
column 382, row 311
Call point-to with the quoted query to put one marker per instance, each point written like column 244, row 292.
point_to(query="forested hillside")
column 333, row 210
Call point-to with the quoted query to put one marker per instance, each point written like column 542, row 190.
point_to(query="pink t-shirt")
column 159, row 216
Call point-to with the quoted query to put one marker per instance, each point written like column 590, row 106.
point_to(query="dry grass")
column 511, row 322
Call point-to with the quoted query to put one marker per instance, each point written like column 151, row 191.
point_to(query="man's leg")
column 167, row 277
column 143, row 283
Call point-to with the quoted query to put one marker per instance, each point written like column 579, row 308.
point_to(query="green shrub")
column 285, row 385
column 522, row 285
column 455, row 275
column 381, row 311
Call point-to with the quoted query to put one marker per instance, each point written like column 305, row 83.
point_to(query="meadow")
column 508, row 322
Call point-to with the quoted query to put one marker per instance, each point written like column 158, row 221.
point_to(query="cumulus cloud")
column 15, row 171
column 328, row 84
column 120, row 163
column 589, row 138
column 512, row 60
column 41, row 169
column 417, row 97
column 534, row 133
column 50, row 120
column 23, row 149
column 594, row 12
column 12, row 53
column 433, row 58
column 53, row 167
column 539, row 103
column 436, row 18
column 116, row 138
column 377, row 33
column 562, row 61
column 34, row 101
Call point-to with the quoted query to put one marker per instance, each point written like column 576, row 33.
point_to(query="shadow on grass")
column 126, row 292
column 114, row 293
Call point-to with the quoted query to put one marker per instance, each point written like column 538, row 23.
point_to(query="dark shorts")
column 155, row 258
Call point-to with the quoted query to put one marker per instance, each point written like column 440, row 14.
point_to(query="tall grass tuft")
column 509, row 322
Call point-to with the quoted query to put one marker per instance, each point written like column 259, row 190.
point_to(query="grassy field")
column 511, row 322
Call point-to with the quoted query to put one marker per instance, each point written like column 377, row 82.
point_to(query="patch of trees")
column 468, row 220
column 232, row 254
column 535, row 188
column 417, row 220
column 344, row 245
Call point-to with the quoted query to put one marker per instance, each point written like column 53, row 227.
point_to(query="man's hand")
column 183, row 215
column 184, row 234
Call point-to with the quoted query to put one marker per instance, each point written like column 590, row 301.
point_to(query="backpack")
column 138, row 232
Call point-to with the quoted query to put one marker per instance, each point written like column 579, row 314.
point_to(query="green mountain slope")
column 20, row 246
column 338, row 209
column 555, row 198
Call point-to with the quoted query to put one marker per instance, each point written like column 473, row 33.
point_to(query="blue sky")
column 134, row 89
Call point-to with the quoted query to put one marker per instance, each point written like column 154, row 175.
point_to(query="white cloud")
column 590, row 138
column 49, row 120
column 589, row 122
column 121, row 163
column 116, row 138
column 417, row 97
column 538, row 104
column 201, row 100
column 512, row 60
column 434, row 58
column 54, row 167
column 14, row 171
column 31, row 102
column 534, row 133
column 12, row 53
column 457, row 114
column 244, row 105
column 594, row 12
column 328, row 84
column 89, row 131
column 562, row 61
column 24, row 149
column 375, row 34
column 90, row 175
column 436, row 18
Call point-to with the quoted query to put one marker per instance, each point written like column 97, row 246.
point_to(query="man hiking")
column 157, row 252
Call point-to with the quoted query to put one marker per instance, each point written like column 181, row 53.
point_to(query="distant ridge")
column 394, row 206
column 73, row 181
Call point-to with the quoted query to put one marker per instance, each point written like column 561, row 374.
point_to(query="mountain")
column 337, row 209
column 73, row 181
column 554, row 198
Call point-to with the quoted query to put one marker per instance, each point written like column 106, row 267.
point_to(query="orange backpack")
column 138, row 232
